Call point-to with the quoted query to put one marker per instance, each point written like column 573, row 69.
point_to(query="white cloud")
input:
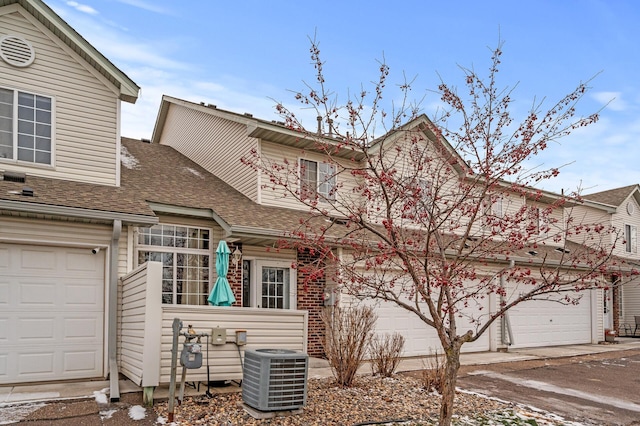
column 151, row 7
column 612, row 100
column 82, row 8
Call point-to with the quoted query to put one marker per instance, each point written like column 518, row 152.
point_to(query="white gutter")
column 114, row 393
column 47, row 209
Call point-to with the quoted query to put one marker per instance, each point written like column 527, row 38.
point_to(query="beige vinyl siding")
column 123, row 251
column 266, row 328
column 622, row 218
column 139, row 324
column 556, row 228
column 589, row 216
column 276, row 153
column 85, row 141
column 50, row 232
column 215, row 143
column 630, row 304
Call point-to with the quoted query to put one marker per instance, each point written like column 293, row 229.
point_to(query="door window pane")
column 275, row 287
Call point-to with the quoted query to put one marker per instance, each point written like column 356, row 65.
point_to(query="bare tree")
column 436, row 215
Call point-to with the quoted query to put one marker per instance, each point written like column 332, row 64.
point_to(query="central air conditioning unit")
column 275, row 379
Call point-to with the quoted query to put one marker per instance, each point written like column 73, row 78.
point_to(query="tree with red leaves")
column 436, row 215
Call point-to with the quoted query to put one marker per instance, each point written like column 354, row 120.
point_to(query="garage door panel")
column 38, row 329
column 420, row 339
column 4, row 293
column 538, row 323
column 58, row 327
column 37, row 293
column 52, row 317
column 82, row 263
column 32, row 260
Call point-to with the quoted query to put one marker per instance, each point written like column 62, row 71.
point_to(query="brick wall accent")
column 310, row 298
column 235, row 275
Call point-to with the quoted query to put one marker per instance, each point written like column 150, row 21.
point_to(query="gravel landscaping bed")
column 373, row 400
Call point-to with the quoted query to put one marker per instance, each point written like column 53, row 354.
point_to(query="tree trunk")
column 449, row 381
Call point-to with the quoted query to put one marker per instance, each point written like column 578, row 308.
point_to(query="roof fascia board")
column 160, row 120
column 190, row 211
column 166, row 102
column 46, row 209
column 129, row 90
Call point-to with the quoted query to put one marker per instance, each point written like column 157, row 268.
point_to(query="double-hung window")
column 185, row 255
column 631, row 238
column 317, row 179
column 25, row 127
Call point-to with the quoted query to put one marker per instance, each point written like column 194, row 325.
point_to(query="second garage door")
column 545, row 323
column 52, row 313
column 420, row 339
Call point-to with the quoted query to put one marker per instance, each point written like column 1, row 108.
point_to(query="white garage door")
column 544, row 323
column 51, row 313
column 420, row 339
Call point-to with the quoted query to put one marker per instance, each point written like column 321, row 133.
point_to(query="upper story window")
column 631, row 238
column 317, row 179
column 185, row 255
column 539, row 221
column 496, row 208
column 25, row 127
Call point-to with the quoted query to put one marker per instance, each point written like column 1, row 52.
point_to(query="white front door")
column 51, row 313
column 608, row 309
column 269, row 284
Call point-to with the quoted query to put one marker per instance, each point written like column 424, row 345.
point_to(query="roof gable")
column 41, row 12
column 615, row 197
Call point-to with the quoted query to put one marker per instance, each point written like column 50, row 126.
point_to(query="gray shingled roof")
column 153, row 173
column 165, row 176
column 77, row 195
column 612, row 197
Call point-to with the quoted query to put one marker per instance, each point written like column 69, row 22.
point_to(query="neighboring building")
column 60, row 198
column 217, row 140
column 622, row 304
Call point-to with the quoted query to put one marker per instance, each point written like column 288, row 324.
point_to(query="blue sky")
column 243, row 55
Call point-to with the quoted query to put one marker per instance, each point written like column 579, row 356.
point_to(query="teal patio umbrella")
column 221, row 295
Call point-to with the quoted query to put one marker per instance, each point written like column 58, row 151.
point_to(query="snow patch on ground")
column 14, row 413
column 521, row 411
column 137, row 412
column 194, row 171
column 128, row 160
column 104, row 415
column 101, row 396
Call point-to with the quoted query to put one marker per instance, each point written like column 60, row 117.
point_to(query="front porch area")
column 145, row 333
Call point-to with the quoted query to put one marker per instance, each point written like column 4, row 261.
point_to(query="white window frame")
column 255, row 284
column 15, row 129
column 631, row 238
column 141, row 247
column 497, row 208
column 324, row 187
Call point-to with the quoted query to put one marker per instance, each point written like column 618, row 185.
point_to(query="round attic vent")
column 16, row 51
column 630, row 207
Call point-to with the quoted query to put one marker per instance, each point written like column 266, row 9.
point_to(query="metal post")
column 177, row 325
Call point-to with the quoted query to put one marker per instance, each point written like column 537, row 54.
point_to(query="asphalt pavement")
column 594, row 389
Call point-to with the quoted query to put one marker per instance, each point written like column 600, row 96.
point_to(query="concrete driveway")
column 595, row 389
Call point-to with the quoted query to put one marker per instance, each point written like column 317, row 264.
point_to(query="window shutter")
column 634, row 239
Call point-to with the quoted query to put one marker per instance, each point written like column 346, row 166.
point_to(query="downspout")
column 114, row 392
column 505, row 323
